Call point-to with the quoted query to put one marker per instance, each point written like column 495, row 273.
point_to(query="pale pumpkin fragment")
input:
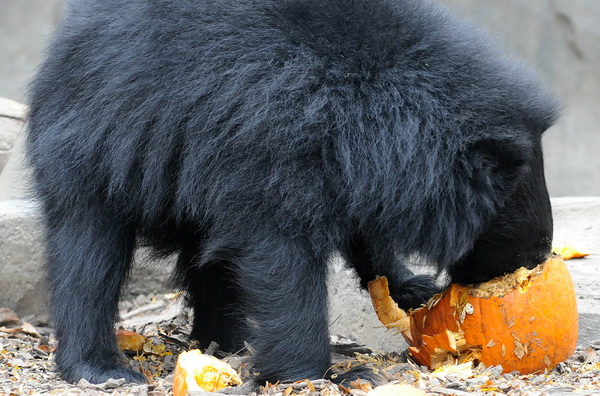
column 568, row 251
column 462, row 371
column 386, row 308
column 196, row 371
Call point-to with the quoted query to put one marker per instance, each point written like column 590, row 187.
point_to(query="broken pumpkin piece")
column 490, row 322
column 462, row 371
column 387, row 310
column 196, row 371
column 130, row 340
column 568, row 252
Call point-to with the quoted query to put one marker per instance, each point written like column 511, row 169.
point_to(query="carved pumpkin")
column 525, row 321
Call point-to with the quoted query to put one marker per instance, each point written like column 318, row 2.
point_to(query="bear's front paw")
column 414, row 291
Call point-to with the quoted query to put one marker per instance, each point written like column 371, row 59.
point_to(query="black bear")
column 256, row 139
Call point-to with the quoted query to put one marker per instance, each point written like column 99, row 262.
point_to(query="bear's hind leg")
column 213, row 295
column 88, row 258
column 284, row 294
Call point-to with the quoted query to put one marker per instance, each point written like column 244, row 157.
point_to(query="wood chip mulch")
column 27, row 345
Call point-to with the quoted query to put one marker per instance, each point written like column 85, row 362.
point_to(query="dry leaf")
column 362, row 385
column 25, row 328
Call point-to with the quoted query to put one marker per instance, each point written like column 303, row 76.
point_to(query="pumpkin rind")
column 531, row 328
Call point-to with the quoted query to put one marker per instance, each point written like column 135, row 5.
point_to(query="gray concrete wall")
column 25, row 26
column 559, row 38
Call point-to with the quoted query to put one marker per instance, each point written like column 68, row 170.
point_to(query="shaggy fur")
column 257, row 138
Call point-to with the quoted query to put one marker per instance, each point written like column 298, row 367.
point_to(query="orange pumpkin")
column 525, row 321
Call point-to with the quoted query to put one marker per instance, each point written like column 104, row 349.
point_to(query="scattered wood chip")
column 397, row 390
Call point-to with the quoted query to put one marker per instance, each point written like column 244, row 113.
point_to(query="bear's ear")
column 496, row 164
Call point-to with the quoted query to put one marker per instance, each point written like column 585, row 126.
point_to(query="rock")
column 12, row 120
column 22, row 280
column 537, row 379
column 8, row 317
column 112, row 383
column 495, row 371
column 23, row 285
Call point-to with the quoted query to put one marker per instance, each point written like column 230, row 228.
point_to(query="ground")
column 26, row 353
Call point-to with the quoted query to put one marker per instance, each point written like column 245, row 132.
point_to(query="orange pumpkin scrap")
column 130, row 340
column 568, row 252
column 196, row 371
column 524, row 321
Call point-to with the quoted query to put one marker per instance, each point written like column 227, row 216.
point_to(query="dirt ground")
column 26, row 367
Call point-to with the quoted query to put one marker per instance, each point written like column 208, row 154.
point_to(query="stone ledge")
column 12, row 119
column 11, row 109
column 23, row 286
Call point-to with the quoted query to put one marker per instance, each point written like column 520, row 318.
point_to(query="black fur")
column 260, row 137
